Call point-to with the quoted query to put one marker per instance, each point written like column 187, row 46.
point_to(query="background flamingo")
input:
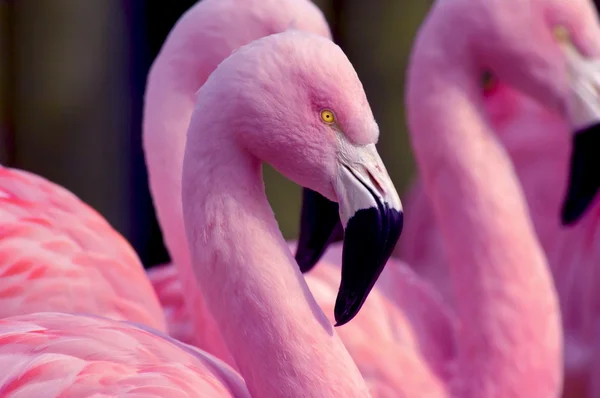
column 538, row 142
column 58, row 254
column 304, row 357
column 205, row 35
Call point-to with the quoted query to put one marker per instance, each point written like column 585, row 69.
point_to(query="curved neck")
column 509, row 339
column 282, row 342
column 174, row 78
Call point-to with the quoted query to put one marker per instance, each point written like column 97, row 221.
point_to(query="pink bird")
column 294, row 101
column 203, row 37
column 281, row 341
column 64, row 355
column 538, row 142
column 58, row 254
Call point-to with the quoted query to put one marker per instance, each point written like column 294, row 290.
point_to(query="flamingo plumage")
column 55, row 354
column 59, row 254
column 408, row 328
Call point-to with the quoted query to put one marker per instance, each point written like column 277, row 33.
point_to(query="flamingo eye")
column 327, row 116
column 488, row 82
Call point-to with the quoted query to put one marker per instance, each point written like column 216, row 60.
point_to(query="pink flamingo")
column 538, row 142
column 58, row 254
column 203, row 37
column 279, row 337
column 297, row 104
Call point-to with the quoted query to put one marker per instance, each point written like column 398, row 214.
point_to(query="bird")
column 505, row 297
column 539, row 143
column 281, row 340
column 203, row 37
column 59, row 254
column 53, row 354
column 294, row 101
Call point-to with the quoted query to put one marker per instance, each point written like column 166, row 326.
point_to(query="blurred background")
column 72, row 79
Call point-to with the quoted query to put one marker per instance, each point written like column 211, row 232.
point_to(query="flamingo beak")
column 584, row 174
column 371, row 215
column 583, row 108
column 320, row 226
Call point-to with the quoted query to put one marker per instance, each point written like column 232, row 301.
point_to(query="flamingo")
column 297, row 104
column 281, row 341
column 58, row 254
column 539, row 144
column 203, row 37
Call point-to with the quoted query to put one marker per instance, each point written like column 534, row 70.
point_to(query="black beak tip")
column 346, row 308
column 371, row 235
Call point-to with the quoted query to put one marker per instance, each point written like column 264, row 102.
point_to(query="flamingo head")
column 550, row 51
column 301, row 107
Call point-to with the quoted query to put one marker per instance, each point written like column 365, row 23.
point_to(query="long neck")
column 509, row 338
column 176, row 75
column 282, row 342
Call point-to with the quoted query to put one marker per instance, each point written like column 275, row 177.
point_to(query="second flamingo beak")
column 583, row 107
column 584, row 174
column 320, row 226
column 370, row 217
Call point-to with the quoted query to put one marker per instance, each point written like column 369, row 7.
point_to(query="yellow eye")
column 561, row 34
column 327, row 116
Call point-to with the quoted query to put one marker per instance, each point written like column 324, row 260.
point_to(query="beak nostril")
column 376, row 183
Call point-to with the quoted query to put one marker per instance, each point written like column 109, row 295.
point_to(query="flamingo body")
column 58, row 254
column 62, row 355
